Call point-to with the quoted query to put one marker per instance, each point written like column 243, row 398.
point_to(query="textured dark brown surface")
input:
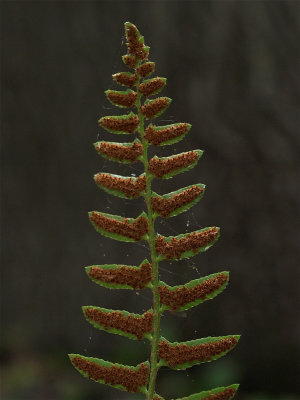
column 135, row 230
column 226, row 394
column 136, row 325
column 192, row 241
column 145, row 69
column 148, row 88
column 122, row 99
column 160, row 167
column 130, row 61
column 162, row 135
column 128, row 125
column 132, row 380
column 131, row 276
column 165, row 206
column 125, row 79
column 150, row 110
column 119, row 151
column 182, row 353
column 135, row 47
column 179, row 297
column 129, row 186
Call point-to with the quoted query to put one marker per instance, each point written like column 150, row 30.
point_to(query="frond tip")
column 135, row 42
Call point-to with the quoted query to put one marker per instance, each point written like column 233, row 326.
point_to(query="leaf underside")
column 186, row 245
column 187, row 354
column 174, row 203
column 121, row 186
column 167, row 167
column 220, row 393
column 184, row 297
column 126, row 153
column 119, row 276
column 120, row 228
column 120, row 322
column 122, row 377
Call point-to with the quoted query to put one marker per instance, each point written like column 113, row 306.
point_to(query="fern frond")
column 176, row 355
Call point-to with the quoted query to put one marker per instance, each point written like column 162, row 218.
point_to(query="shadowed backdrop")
column 232, row 72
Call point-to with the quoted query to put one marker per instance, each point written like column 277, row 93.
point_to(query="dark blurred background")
column 233, row 73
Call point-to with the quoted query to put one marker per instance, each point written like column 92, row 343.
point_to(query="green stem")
column 154, row 259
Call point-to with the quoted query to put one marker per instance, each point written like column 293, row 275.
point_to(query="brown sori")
column 136, row 325
column 226, row 394
column 165, row 206
column 128, row 125
column 137, row 278
column 145, row 69
column 132, row 188
column 130, row 61
column 160, row 167
column 135, row 230
column 152, row 86
column 182, row 353
column 180, row 297
column 156, row 137
column 125, row 79
column 119, row 151
column 192, row 241
column 122, row 99
column 132, row 380
column 135, row 47
column 156, row 106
